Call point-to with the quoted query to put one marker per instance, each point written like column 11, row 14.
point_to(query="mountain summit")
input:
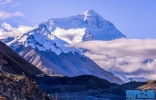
column 83, row 27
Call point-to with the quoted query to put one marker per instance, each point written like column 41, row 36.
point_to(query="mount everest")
column 46, row 46
column 87, row 26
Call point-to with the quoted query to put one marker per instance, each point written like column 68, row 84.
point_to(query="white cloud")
column 6, row 15
column 2, row 2
column 8, row 31
column 70, row 35
column 124, row 56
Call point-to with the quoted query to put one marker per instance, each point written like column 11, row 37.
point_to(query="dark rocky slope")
column 19, row 87
column 14, row 63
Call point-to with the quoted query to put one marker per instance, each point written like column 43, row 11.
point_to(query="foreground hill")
column 72, row 84
column 20, row 87
column 89, row 87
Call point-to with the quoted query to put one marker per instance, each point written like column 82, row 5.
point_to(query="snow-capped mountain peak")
column 44, row 46
column 89, row 13
column 83, row 27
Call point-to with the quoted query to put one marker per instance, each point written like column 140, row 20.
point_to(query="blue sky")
column 134, row 18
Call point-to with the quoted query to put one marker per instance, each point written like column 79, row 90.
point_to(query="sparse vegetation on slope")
column 20, row 87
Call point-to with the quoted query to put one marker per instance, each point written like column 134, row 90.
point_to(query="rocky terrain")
column 19, row 87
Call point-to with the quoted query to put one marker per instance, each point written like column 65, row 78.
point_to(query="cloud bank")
column 8, row 31
column 129, row 57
